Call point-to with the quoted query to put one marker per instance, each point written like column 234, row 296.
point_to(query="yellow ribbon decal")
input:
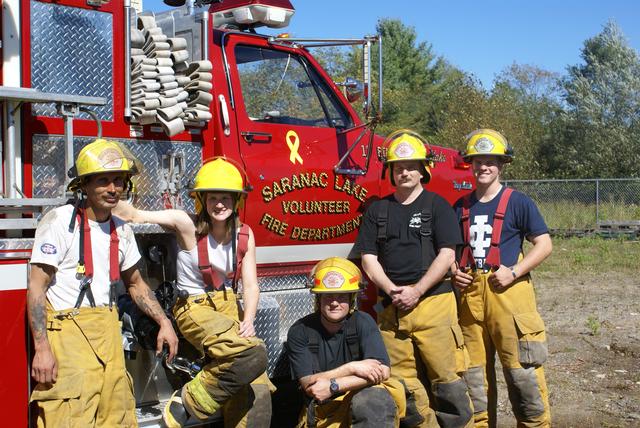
column 293, row 141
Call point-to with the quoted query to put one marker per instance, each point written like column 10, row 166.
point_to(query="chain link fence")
column 585, row 205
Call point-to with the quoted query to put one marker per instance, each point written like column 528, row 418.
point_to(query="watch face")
column 334, row 386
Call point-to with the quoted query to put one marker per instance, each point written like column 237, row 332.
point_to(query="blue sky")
column 480, row 37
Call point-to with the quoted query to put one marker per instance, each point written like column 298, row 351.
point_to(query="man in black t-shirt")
column 339, row 359
column 407, row 242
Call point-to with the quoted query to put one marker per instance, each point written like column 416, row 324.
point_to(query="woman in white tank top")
column 209, row 318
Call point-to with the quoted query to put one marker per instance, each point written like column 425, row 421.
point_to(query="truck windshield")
column 280, row 87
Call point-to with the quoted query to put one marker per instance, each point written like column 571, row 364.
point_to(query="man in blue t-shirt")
column 497, row 301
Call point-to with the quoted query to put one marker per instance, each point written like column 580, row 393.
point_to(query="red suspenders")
column 211, row 280
column 493, row 257
column 85, row 261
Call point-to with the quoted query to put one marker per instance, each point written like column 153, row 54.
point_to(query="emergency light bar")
column 252, row 13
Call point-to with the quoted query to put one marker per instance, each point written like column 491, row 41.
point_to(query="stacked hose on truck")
column 165, row 88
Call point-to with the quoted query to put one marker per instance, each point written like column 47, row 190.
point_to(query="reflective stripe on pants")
column 210, row 323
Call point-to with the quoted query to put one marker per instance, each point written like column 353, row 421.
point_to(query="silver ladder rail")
column 68, row 106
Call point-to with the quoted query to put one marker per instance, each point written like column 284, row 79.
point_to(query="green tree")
column 599, row 134
column 413, row 79
column 526, row 101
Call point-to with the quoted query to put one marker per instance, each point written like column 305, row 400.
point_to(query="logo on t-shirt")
column 480, row 238
column 48, row 249
column 415, row 221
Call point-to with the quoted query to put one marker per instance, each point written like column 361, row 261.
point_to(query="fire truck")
column 175, row 88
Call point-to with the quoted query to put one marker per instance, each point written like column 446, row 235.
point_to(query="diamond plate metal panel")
column 288, row 282
column 267, row 325
column 286, row 307
column 48, row 168
column 72, row 53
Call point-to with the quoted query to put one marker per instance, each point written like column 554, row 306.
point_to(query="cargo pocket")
column 462, row 356
column 66, row 389
column 532, row 344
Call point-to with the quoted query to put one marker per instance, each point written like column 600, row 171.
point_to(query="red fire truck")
column 76, row 69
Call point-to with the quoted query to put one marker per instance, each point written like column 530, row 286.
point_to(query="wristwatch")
column 334, row 387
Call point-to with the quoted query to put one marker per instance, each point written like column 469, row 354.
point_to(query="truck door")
column 291, row 129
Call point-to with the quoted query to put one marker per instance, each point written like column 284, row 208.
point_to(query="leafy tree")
column 526, row 101
column 600, row 132
column 413, row 79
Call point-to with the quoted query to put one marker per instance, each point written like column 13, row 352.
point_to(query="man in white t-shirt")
column 80, row 254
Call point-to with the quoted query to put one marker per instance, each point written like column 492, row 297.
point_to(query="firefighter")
column 78, row 360
column 497, row 300
column 407, row 241
column 338, row 357
column 215, row 251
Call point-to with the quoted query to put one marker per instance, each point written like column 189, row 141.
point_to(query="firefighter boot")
column 175, row 415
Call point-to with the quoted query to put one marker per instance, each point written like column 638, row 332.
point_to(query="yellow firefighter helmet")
column 335, row 275
column 406, row 145
column 101, row 156
column 487, row 142
column 219, row 174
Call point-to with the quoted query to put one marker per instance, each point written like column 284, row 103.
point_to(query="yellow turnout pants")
column 93, row 388
column 380, row 406
column 428, row 338
column 210, row 322
column 508, row 322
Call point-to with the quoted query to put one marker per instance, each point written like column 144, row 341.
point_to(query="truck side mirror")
column 353, row 89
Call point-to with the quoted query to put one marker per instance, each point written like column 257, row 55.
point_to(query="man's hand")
column 502, row 278
column 405, row 298
column 371, row 370
column 319, row 390
column 461, row 279
column 247, row 329
column 167, row 335
column 44, row 368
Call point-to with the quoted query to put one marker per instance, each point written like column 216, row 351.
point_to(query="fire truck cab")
column 176, row 88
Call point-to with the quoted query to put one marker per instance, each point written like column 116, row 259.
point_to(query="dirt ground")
column 593, row 370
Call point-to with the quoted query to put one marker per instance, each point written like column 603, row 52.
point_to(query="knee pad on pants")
column 373, row 406
column 412, row 417
column 246, row 367
column 474, row 377
column 453, row 406
column 524, row 392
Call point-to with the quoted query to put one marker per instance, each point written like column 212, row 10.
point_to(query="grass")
column 591, row 255
column 575, row 215
column 593, row 324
